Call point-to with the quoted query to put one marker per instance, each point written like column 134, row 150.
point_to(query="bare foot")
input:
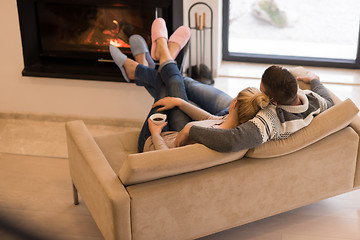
column 162, row 51
column 159, row 47
column 173, row 49
column 141, row 58
column 130, row 67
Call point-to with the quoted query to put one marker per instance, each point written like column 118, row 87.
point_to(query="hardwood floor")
column 36, row 193
column 36, row 200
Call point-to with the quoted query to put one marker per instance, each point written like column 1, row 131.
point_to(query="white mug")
column 158, row 118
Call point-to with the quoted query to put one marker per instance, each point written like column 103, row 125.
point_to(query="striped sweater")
column 273, row 122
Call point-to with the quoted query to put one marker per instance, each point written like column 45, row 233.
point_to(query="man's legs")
column 149, row 79
column 207, row 97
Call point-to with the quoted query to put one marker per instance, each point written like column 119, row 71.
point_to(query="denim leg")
column 147, row 77
column 207, row 97
column 151, row 80
column 170, row 83
column 173, row 80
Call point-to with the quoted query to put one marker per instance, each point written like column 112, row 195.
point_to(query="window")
column 306, row 32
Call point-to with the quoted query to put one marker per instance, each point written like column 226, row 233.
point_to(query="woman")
column 167, row 86
column 242, row 108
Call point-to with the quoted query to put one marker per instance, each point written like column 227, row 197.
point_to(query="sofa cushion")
column 147, row 166
column 116, row 147
column 326, row 123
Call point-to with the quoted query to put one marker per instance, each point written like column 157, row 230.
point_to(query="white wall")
column 63, row 96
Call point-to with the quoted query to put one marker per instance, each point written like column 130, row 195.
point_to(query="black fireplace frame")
column 37, row 65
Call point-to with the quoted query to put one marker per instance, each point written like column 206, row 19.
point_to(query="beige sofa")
column 192, row 191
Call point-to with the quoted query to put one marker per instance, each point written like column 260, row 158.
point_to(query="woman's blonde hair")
column 249, row 102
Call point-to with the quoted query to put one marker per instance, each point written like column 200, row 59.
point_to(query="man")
column 290, row 110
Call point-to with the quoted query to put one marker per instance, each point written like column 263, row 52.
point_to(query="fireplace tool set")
column 202, row 47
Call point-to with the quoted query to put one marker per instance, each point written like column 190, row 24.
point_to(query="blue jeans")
column 169, row 82
column 207, row 97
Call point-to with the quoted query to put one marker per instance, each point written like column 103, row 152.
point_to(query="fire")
column 119, row 43
column 109, row 35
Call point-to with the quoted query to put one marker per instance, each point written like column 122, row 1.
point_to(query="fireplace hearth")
column 70, row 39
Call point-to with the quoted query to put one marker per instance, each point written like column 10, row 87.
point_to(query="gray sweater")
column 273, row 122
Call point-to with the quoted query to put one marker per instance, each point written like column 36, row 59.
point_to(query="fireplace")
column 70, row 39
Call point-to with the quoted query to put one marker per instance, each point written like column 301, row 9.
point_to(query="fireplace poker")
column 194, row 69
column 204, row 71
column 197, row 45
column 204, row 27
column 201, row 36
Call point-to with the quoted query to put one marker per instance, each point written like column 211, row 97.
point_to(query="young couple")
column 217, row 121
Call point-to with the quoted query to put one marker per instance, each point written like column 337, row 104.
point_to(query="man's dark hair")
column 280, row 85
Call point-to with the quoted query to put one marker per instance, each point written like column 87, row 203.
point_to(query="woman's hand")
column 233, row 118
column 233, row 108
column 183, row 136
column 155, row 129
column 167, row 103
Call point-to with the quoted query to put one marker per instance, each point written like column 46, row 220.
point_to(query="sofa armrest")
column 99, row 186
column 355, row 124
column 116, row 147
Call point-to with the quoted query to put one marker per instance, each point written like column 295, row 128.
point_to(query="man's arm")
column 244, row 136
column 317, row 87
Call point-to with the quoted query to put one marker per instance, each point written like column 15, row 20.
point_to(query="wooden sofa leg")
column 76, row 195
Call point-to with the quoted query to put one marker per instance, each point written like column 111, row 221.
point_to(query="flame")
column 119, row 43
column 109, row 36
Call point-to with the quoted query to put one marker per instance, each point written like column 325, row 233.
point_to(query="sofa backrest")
column 147, row 166
column 326, row 123
column 143, row 167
